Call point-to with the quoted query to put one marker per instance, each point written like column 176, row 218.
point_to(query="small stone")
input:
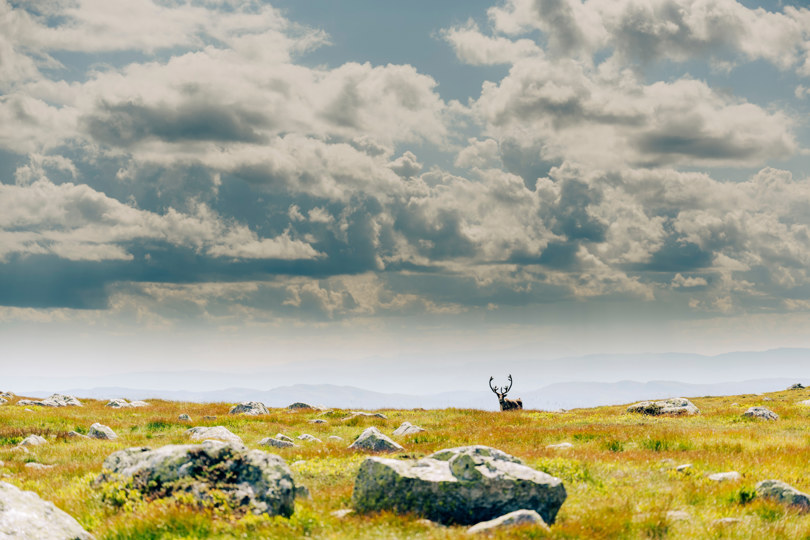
column 33, row 440
column 406, row 428
column 372, row 440
column 678, row 515
column 309, row 438
column 37, row 466
column 76, row 435
column 560, row 446
column 683, row 468
column 119, row 403
column 342, row 513
column 767, row 399
column 184, row 418
column 334, row 438
column 317, row 421
column 100, row 431
column 209, row 417
column 761, row 413
column 356, row 414
column 276, row 443
column 729, row 476
column 282, row 437
column 518, row 517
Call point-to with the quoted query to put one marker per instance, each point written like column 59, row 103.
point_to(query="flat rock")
column 256, row 481
column 221, row 433
column 675, row 406
column 118, row 403
column 307, row 437
column 334, row 438
column 24, row 515
column 678, row 515
column 358, row 414
column 560, row 446
column 761, row 413
column 463, row 485
column 282, row 437
column 518, row 517
column 729, row 476
column 342, row 513
column 784, row 494
column 406, row 428
column 33, row 440
column 277, row 443
column 37, row 466
column 100, row 431
column 683, row 468
column 372, row 440
column 184, row 417
column 251, row 408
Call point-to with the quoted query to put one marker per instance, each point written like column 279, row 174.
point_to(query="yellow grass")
column 620, row 474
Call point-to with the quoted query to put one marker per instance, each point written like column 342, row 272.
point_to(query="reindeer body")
column 506, row 404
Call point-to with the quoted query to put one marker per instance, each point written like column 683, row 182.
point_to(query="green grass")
column 619, row 475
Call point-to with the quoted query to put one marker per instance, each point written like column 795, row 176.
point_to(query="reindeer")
column 506, row 404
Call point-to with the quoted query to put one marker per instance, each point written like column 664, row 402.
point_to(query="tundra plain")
column 621, row 472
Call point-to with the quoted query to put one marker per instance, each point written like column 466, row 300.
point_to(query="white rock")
column 560, row 446
column 118, row 403
column 761, row 413
column 309, row 438
column 334, row 438
column 282, row 437
column 33, row 440
column 100, row 431
column 372, row 440
column 407, row 429
column 221, row 433
column 138, row 403
column 184, row 417
column 678, row 515
column 277, row 443
column 675, row 406
column 518, row 517
column 25, row 516
column 37, row 466
column 250, row 408
column 729, row 476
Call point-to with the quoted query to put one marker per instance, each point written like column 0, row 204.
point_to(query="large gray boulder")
column 100, row 431
column 252, row 480
column 674, row 406
column 372, row 440
column 783, row 493
column 406, row 428
column 463, row 485
column 221, row 433
column 25, row 516
column 762, row 413
column 252, row 408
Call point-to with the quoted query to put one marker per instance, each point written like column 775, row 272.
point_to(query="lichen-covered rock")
column 24, row 515
column 762, row 413
column 406, row 428
column 372, row 440
column 55, row 400
column 184, row 418
column 118, row 403
column 674, row 406
column 309, row 438
column 100, row 431
column 462, row 485
column 783, row 493
column 797, row 386
column 252, row 408
column 3, row 400
column 300, row 405
column 282, row 437
column 277, row 443
column 252, row 480
column 512, row 519
column 33, row 440
column 363, row 414
column 221, row 433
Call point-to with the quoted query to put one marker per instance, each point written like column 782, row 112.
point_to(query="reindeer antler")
column 493, row 388
column 505, row 389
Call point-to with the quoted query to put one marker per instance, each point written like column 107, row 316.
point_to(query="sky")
column 465, row 184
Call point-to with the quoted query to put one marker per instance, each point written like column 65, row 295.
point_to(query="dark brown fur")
column 506, row 404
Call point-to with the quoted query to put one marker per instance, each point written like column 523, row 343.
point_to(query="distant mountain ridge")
column 568, row 395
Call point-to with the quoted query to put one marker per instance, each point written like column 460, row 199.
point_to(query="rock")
column 317, row 421
column 76, row 435
column 202, row 433
column 209, row 417
column 277, row 443
column 783, row 493
column 356, row 414
column 722, row 522
column 3, row 400
column 302, row 492
column 37, row 466
column 307, row 437
column 119, row 403
column 761, row 413
column 138, row 403
column 678, row 515
column 282, row 437
column 797, row 386
column 683, row 468
column 60, row 400
column 806, row 403
column 463, row 485
column 21, row 449
column 342, row 513
column 252, row 480
column 729, row 476
column 735, row 404
column 100, row 431
column 334, row 438
column 518, row 517
column 7, row 394
column 560, row 446
column 24, row 515
column 184, row 417
column 767, row 399
column 28, row 402
column 407, row 429
column 32, row 440
column 372, row 440
column 252, row 408
column 300, row 405
column 667, row 406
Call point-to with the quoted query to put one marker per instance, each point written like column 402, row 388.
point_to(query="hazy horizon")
column 402, row 193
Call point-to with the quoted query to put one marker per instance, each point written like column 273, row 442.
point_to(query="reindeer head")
column 506, row 404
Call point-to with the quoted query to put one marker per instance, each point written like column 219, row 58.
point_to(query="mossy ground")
column 619, row 474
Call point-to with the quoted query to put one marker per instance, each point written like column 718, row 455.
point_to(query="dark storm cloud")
column 127, row 124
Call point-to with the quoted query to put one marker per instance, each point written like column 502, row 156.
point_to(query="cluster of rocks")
column 121, row 403
column 5, row 397
column 55, row 400
column 672, row 406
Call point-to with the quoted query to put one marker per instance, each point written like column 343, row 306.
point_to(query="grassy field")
column 620, row 473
